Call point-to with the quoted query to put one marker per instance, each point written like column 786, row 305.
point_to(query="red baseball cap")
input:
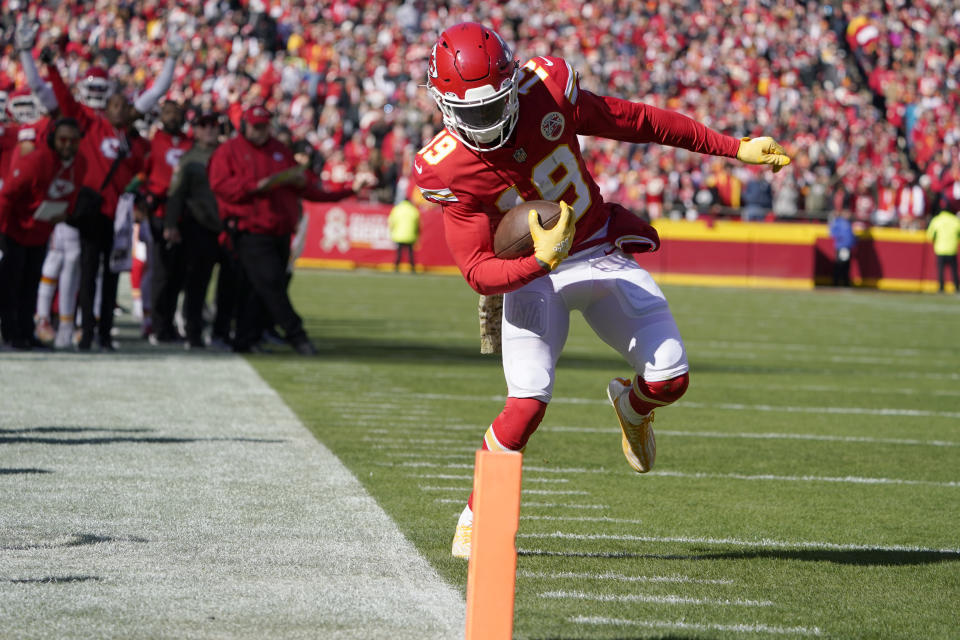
column 256, row 114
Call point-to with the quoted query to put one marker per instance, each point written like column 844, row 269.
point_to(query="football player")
column 511, row 136
column 110, row 153
column 164, row 254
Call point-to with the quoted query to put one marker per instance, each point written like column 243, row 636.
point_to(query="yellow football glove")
column 764, row 150
column 551, row 246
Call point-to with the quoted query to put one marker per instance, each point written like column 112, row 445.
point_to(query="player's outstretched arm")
column 25, row 38
column 149, row 98
column 763, row 150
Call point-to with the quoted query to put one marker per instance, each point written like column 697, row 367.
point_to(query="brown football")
column 512, row 236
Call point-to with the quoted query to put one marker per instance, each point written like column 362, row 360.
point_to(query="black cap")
column 206, row 118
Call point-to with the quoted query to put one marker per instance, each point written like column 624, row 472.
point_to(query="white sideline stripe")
column 865, row 411
column 533, row 469
column 768, row 436
column 445, row 476
column 445, row 455
column 696, row 626
column 412, row 441
column 584, row 519
column 535, row 492
column 846, row 479
column 809, row 436
column 619, row 577
column 526, row 505
column 737, row 542
column 640, row 597
column 822, row 388
column 408, row 445
column 884, row 411
column 798, row 346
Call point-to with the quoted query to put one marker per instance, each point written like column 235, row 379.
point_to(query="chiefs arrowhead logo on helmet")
column 472, row 76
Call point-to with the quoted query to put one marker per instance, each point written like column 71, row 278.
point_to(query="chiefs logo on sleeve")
column 172, row 157
column 110, row 148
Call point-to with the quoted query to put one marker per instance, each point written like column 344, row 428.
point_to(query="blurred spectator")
column 404, row 223
column 258, row 185
column 191, row 210
column 39, row 190
column 757, row 197
column 841, row 231
column 944, row 232
column 166, row 257
column 786, row 196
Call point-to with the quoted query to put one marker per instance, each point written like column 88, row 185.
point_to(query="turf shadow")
column 15, row 472
column 355, row 349
column 16, row 436
column 77, row 540
column 52, row 580
column 861, row 557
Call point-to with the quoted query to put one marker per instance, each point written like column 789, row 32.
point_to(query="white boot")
column 463, row 535
column 64, row 339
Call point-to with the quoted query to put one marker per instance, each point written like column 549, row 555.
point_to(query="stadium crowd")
column 865, row 95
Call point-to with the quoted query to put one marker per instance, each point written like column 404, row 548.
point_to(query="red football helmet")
column 95, row 88
column 472, row 75
column 24, row 106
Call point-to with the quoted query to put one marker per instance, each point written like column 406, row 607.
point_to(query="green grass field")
column 807, row 485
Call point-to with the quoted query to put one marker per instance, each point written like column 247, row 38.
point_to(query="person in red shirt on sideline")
column 511, row 135
column 258, row 185
column 165, row 257
column 39, row 191
column 109, row 153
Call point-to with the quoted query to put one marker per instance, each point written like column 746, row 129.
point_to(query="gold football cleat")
column 639, row 444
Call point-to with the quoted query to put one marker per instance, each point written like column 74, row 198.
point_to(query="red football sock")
column 647, row 396
column 513, row 427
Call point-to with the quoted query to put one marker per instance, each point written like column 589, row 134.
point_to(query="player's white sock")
column 627, row 410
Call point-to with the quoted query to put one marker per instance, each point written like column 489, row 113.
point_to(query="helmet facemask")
column 95, row 92
column 485, row 118
column 24, row 108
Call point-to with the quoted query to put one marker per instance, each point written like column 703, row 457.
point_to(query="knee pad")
column 515, row 424
column 661, row 392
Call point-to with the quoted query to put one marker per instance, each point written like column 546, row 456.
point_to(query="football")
column 512, row 236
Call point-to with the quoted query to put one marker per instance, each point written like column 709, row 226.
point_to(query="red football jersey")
column 165, row 152
column 34, row 133
column 100, row 145
column 8, row 144
column 542, row 161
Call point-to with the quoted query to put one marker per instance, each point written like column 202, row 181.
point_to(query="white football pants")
column 61, row 269
column 618, row 299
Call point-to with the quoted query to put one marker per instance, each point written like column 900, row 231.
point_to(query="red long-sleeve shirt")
column 236, row 168
column 99, row 146
column 165, row 152
column 542, row 161
column 34, row 178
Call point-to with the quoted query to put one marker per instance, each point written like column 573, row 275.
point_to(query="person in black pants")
column 258, row 185
column 192, row 211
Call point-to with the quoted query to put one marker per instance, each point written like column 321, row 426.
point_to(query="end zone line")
column 694, row 626
column 654, row 599
column 619, row 577
column 769, row 436
column 845, row 479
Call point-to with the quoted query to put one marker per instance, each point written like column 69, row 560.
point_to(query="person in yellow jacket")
column 404, row 223
column 944, row 231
